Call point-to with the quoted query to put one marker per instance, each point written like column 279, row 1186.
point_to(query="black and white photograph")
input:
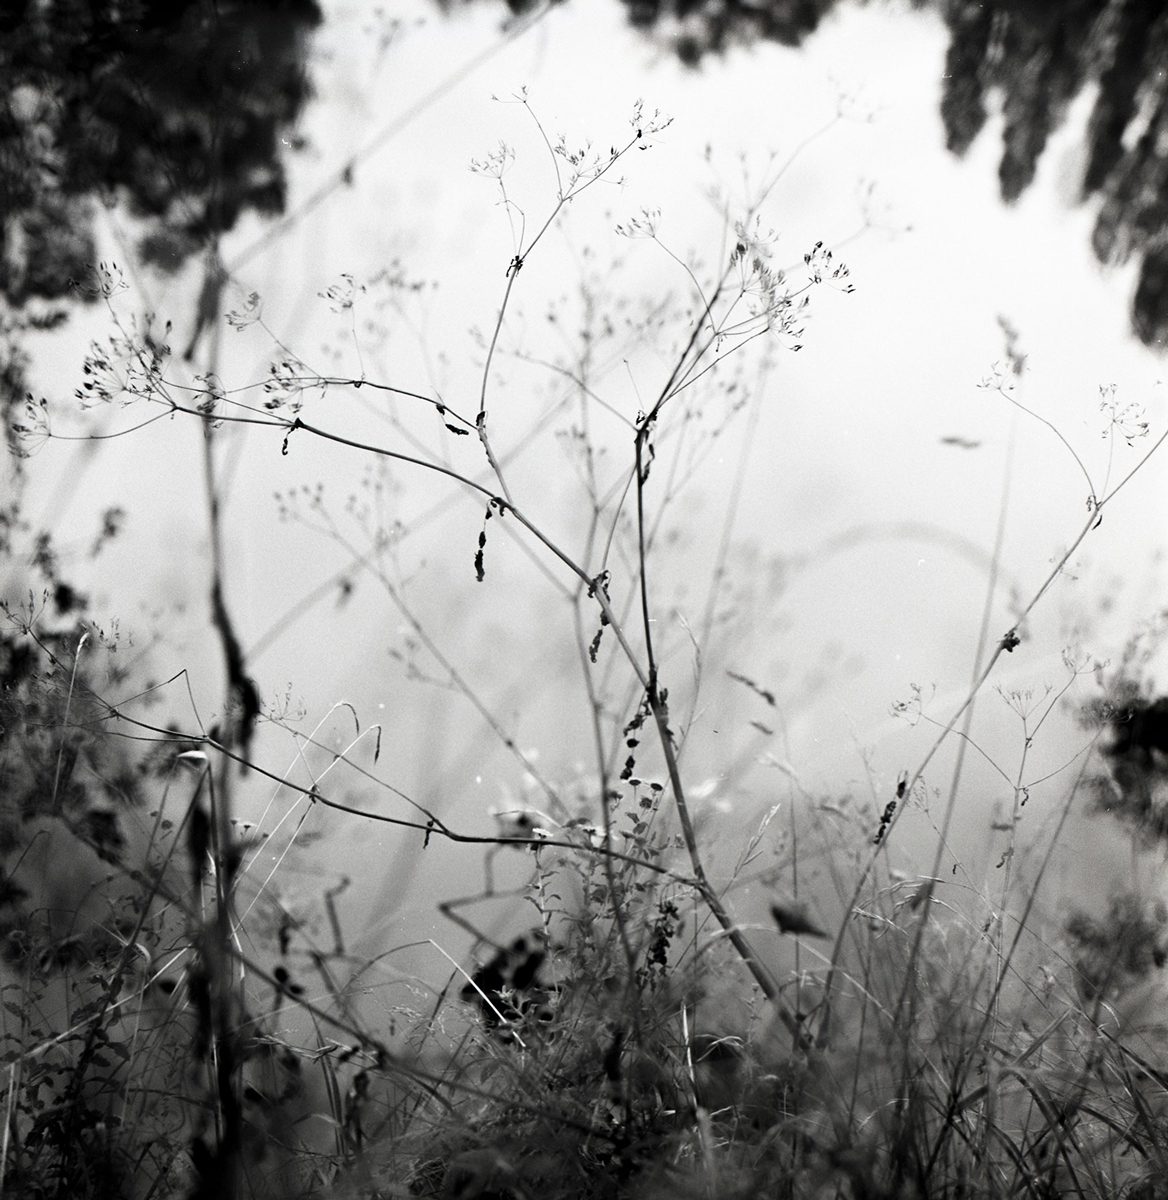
column 583, row 599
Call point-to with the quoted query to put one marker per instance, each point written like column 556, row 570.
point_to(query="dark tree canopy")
column 173, row 107
column 1038, row 56
column 1032, row 57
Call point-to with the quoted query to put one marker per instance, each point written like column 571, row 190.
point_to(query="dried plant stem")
column 660, row 710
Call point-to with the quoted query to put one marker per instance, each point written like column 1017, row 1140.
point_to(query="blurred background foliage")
column 1031, row 57
column 172, row 108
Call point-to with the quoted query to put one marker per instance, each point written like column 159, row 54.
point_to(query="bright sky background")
column 861, row 544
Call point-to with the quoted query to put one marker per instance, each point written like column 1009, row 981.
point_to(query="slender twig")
column 659, row 707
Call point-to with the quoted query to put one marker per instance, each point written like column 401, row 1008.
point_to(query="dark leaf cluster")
column 1032, row 58
column 1121, row 948
column 175, row 107
column 1135, row 787
column 1038, row 57
column 509, row 989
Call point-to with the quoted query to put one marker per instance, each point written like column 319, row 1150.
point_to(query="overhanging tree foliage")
column 1031, row 57
column 1039, row 56
column 173, row 107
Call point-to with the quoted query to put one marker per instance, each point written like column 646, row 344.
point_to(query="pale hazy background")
column 861, row 542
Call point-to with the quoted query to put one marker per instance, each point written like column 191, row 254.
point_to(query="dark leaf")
column 792, row 917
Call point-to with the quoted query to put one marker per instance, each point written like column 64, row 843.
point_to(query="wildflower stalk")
column 657, row 700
